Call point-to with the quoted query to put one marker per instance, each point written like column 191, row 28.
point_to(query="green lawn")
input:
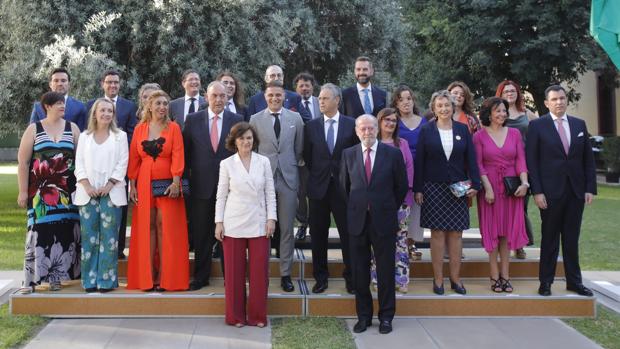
column 310, row 332
column 17, row 329
column 12, row 225
column 604, row 330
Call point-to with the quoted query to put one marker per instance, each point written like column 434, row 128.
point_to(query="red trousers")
column 258, row 274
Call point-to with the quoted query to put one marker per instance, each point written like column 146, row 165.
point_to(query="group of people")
column 210, row 168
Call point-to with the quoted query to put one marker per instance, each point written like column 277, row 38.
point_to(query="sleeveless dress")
column 53, row 239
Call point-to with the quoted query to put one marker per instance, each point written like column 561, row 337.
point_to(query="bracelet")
column 525, row 184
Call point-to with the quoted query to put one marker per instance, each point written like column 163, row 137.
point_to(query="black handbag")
column 159, row 186
column 511, row 184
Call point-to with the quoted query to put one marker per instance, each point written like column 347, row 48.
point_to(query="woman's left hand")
column 105, row 190
column 270, row 228
column 471, row 193
column 521, row 190
column 172, row 191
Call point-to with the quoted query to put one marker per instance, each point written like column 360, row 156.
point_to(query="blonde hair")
column 147, row 115
column 92, row 118
column 143, row 88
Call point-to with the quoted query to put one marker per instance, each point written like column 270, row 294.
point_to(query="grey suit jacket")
column 286, row 153
column 177, row 109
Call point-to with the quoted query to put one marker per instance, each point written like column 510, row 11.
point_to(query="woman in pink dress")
column 500, row 154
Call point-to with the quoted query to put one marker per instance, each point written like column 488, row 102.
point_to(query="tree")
column 534, row 42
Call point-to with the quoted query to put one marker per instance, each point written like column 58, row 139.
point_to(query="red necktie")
column 367, row 165
column 562, row 133
column 214, row 140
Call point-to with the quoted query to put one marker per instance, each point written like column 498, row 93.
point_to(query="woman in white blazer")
column 245, row 219
column 100, row 168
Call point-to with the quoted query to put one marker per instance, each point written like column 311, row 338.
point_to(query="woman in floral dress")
column 46, row 181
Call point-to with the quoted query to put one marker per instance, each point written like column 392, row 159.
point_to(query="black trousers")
column 320, row 220
column 203, row 233
column 561, row 222
column 122, row 230
column 528, row 224
column 384, row 247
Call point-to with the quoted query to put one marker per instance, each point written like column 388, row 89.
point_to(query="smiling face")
column 458, row 95
column 304, row 88
column 217, row 97
column 231, row 86
column 104, row 114
column 274, row 97
column 499, row 115
column 366, row 130
column 245, row 142
column 509, row 93
column 363, row 72
column 59, row 83
column 442, row 108
column 388, row 125
column 159, row 108
column 556, row 102
column 405, row 103
column 111, row 85
column 191, row 84
column 56, row 110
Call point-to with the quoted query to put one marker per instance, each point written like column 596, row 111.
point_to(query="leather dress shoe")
column 196, row 285
column 362, row 325
column 287, row 284
column 319, row 287
column 438, row 289
column 458, row 288
column 90, row 289
column 580, row 289
column 301, row 232
column 385, row 326
column 544, row 289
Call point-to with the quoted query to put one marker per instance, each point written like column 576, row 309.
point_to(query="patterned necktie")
column 367, row 106
column 276, row 125
column 562, row 133
column 214, row 138
column 330, row 135
column 191, row 105
column 307, row 104
column 368, row 165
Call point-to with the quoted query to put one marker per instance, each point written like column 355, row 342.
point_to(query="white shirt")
column 231, row 106
column 446, row 141
column 564, row 123
column 113, row 100
column 363, row 96
column 188, row 102
column 373, row 152
column 273, row 118
column 219, row 122
column 336, row 118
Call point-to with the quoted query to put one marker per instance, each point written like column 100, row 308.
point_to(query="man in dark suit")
column 204, row 137
column 126, row 120
column 363, row 98
column 75, row 111
column 304, row 86
column 292, row 101
column 563, row 179
column 180, row 107
column 324, row 140
column 374, row 180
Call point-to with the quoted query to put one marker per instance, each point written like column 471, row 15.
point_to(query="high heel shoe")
column 496, row 285
column 506, row 285
column 458, row 288
column 438, row 289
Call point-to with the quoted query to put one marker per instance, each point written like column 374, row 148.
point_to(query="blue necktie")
column 330, row 135
column 367, row 106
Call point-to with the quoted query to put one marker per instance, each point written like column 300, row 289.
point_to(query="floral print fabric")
column 401, row 257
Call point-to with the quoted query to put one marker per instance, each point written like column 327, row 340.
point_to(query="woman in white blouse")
column 245, row 219
column 100, row 168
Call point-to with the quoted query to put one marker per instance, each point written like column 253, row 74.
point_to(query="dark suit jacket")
column 431, row 164
column 384, row 194
column 292, row 102
column 75, row 111
column 177, row 108
column 551, row 171
column 126, row 118
column 351, row 104
column 200, row 159
column 322, row 165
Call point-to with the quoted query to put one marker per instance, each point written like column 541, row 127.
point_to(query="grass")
column 310, row 332
column 12, row 225
column 15, row 330
column 604, row 330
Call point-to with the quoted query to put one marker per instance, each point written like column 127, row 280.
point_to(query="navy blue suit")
column 292, row 101
column 203, row 166
column 75, row 111
column 372, row 218
column 324, row 192
column 351, row 104
column 564, row 179
column 431, row 164
column 126, row 118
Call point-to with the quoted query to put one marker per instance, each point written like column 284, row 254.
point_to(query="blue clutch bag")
column 159, row 186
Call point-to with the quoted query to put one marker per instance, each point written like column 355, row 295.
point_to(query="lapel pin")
column 458, row 138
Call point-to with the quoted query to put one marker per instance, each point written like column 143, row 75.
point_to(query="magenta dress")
column 503, row 218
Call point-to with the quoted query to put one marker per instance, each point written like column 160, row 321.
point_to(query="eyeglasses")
column 389, row 121
column 509, row 91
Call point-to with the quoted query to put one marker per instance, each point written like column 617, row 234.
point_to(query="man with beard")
column 363, row 98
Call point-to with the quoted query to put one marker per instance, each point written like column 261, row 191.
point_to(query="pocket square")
column 580, row 134
column 292, row 126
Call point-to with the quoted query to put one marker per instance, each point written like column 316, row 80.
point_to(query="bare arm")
column 24, row 155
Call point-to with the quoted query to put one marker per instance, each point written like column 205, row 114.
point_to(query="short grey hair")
column 441, row 94
column 335, row 90
column 366, row 117
column 213, row 83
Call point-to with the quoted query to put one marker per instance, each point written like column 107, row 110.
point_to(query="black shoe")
column 196, row 285
column 105, row 290
column 121, row 256
column 580, row 290
column 362, row 325
column 159, row 289
column 350, row 287
column 544, row 289
column 458, row 288
column 90, row 289
column 438, row 289
column 287, row 284
column 319, row 287
column 385, row 326
column 301, row 232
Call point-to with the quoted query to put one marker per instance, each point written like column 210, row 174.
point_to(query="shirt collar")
column 335, row 117
column 212, row 114
column 373, row 147
column 563, row 117
column 187, row 97
column 272, row 112
column 360, row 87
column 112, row 99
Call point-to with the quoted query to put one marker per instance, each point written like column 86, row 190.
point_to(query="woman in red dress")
column 158, row 258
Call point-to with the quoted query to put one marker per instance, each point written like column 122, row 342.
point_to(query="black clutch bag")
column 159, row 186
column 511, row 184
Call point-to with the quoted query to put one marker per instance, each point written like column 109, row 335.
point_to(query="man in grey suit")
column 280, row 132
column 180, row 107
